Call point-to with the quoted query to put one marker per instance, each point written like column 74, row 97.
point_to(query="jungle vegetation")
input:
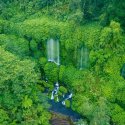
column 98, row 90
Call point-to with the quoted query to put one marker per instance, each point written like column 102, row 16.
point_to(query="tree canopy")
column 90, row 32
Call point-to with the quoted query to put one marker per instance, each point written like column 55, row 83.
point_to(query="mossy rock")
column 67, row 102
column 63, row 90
column 55, row 98
column 60, row 93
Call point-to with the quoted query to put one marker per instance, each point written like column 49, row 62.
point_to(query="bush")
column 117, row 114
column 51, row 72
column 63, row 90
column 20, row 99
column 67, row 102
column 15, row 45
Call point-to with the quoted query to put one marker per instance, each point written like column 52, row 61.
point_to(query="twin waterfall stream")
column 53, row 55
column 83, row 58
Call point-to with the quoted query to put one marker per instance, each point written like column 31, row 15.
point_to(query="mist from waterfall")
column 53, row 51
column 83, row 58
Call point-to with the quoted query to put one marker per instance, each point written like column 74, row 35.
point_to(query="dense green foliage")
column 19, row 96
column 98, row 90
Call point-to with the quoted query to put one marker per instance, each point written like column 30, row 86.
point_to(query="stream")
column 57, row 107
column 53, row 55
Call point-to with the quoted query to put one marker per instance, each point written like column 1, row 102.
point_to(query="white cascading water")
column 53, row 51
column 55, row 92
column 69, row 97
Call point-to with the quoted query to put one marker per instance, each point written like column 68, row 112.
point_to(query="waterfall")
column 84, row 56
column 55, row 92
column 69, row 97
column 57, row 45
column 53, row 51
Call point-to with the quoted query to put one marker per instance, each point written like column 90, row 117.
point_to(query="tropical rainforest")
column 97, row 84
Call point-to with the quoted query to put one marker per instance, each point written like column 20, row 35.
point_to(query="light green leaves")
column 27, row 102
